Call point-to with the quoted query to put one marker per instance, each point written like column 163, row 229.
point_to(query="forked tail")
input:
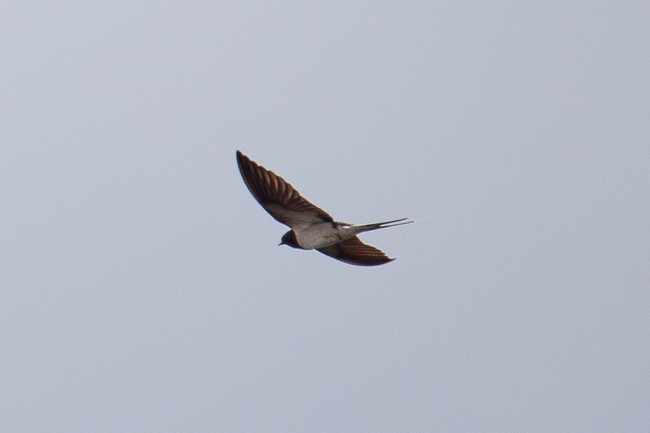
column 381, row 225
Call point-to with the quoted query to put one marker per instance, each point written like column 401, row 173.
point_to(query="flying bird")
column 311, row 227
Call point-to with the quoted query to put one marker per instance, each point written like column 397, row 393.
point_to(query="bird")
column 311, row 227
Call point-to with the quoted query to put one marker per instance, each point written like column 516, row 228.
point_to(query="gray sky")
column 142, row 288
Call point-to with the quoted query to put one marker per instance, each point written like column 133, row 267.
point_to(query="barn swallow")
column 311, row 227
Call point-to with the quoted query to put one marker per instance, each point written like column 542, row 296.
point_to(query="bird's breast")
column 321, row 235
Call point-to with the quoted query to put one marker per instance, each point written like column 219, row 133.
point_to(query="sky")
column 141, row 285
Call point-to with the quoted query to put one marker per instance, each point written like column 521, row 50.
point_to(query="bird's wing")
column 277, row 196
column 355, row 252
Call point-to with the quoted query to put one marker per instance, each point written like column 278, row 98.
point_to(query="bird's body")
column 319, row 235
column 311, row 227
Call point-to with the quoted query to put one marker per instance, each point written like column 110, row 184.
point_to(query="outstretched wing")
column 277, row 196
column 355, row 252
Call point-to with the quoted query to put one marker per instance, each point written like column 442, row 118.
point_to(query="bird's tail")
column 382, row 225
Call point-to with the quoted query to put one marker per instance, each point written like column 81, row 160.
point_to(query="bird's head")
column 289, row 238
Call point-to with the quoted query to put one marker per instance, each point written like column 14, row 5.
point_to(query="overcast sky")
column 142, row 288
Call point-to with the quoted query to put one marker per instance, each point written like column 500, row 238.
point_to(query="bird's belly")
column 319, row 236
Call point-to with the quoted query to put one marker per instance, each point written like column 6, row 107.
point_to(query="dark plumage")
column 311, row 227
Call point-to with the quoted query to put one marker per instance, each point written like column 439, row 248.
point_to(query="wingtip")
column 386, row 261
column 242, row 160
